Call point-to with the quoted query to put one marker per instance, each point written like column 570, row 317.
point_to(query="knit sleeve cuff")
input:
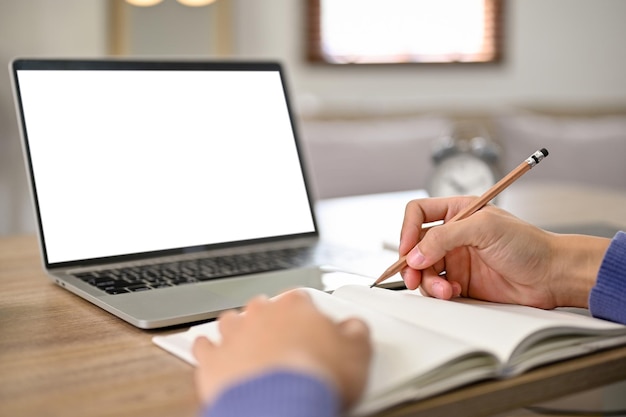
column 277, row 394
column 607, row 299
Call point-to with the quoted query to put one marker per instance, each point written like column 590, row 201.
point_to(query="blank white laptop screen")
column 131, row 161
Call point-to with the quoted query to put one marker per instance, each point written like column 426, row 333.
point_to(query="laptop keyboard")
column 149, row 277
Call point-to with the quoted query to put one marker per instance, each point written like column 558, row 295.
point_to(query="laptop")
column 167, row 192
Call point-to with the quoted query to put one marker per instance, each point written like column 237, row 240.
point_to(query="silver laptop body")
column 137, row 163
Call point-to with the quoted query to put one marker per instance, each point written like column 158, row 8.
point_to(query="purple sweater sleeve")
column 276, row 394
column 608, row 297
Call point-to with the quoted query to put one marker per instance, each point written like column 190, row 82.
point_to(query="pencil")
column 489, row 195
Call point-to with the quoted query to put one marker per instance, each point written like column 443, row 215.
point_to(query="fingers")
column 295, row 296
column 202, row 348
column 256, row 303
column 427, row 210
column 229, row 323
column 441, row 240
column 427, row 260
column 439, row 287
column 431, row 283
column 354, row 328
column 432, row 248
column 432, row 253
column 412, row 277
column 354, row 352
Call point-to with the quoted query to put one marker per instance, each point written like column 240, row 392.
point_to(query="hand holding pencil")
column 476, row 205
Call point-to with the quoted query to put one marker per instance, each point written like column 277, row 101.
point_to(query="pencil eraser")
column 544, row 151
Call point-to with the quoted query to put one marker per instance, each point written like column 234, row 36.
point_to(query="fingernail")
column 456, row 289
column 437, row 290
column 415, row 257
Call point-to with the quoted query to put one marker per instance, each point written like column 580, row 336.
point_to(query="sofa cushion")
column 369, row 155
column 587, row 150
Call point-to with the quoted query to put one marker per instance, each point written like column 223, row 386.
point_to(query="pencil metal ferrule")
column 537, row 157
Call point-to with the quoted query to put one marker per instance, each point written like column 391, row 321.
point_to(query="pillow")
column 586, row 150
column 369, row 155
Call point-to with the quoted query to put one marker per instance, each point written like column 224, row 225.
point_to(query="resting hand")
column 494, row 256
column 286, row 333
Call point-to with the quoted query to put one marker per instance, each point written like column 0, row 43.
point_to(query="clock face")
column 461, row 174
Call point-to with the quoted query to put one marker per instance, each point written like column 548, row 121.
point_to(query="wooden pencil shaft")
column 492, row 192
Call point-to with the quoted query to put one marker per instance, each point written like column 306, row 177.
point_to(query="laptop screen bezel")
column 152, row 65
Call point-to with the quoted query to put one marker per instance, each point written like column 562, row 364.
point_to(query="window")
column 404, row 31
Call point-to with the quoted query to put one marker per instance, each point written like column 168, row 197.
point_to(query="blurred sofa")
column 351, row 154
column 348, row 156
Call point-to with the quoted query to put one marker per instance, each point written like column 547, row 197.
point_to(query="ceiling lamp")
column 144, row 3
column 191, row 3
column 196, row 3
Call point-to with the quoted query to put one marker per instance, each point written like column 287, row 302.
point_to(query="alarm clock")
column 463, row 166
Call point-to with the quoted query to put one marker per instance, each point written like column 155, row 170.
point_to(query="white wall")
column 169, row 29
column 31, row 28
column 558, row 52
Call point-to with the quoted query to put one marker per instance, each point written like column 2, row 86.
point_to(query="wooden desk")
column 62, row 356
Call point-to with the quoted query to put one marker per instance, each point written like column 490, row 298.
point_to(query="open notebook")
column 424, row 346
